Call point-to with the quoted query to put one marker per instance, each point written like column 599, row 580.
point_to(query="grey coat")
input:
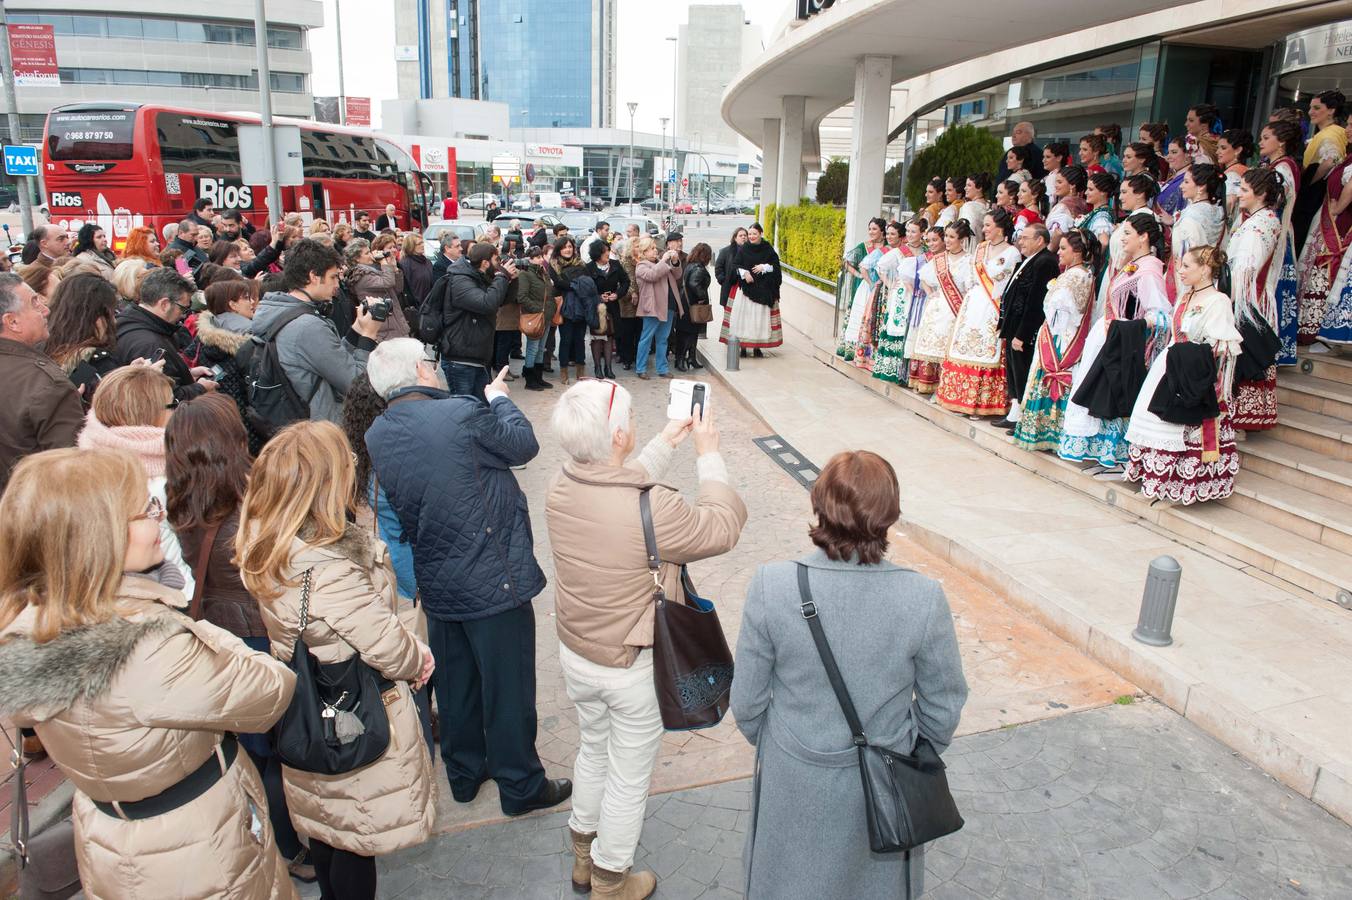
column 320, row 365
column 892, row 634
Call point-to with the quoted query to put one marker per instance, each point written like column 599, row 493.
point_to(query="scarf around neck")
column 145, row 441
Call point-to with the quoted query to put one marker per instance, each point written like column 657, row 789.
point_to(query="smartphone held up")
column 685, row 397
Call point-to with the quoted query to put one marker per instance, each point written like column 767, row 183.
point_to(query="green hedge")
column 808, row 236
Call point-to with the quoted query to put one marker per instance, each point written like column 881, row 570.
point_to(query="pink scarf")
column 145, row 441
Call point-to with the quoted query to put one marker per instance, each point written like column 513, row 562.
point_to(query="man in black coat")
column 1022, row 134
column 474, row 291
column 150, row 329
column 1021, row 313
column 185, row 242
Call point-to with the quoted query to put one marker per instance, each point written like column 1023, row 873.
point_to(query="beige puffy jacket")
column 603, row 592
column 390, row 803
column 128, row 708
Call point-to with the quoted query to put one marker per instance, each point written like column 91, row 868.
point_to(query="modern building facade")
column 197, row 55
column 711, row 49
column 551, row 61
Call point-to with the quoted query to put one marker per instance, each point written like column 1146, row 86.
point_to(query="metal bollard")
column 734, row 357
column 1158, row 602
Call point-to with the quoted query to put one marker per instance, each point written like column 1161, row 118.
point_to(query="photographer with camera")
column 374, row 281
column 478, row 286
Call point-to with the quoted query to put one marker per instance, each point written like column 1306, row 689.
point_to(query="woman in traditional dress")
column 1190, row 463
column 1201, row 222
column 1199, row 124
column 1169, row 196
column 861, row 264
column 1326, row 149
column 945, row 279
column 953, row 190
column 1099, row 192
column 1139, row 158
column 1032, row 199
column 1234, row 148
column 757, row 265
column 977, row 202
column 900, row 272
column 1060, row 342
column 1071, row 182
column 866, row 345
column 1137, row 291
column 918, row 371
column 934, row 200
column 723, row 271
column 1092, row 149
column 1134, row 197
column 972, row 380
column 1112, row 138
column 1156, row 134
column 1254, row 250
column 1321, row 262
column 1279, row 143
column 1019, row 161
column 1006, row 197
column 1055, row 156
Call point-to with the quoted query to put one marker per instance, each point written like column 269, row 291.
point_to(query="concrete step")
column 1306, row 469
column 1319, row 395
column 1314, row 431
column 1330, row 366
column 1312, row 516
column 1323, row 571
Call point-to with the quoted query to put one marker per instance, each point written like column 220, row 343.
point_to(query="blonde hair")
column 133, row 395
column 342, row 228
column 409, row 246
column 317, row 223
column 641, row 247
column 301, row 486
column 64, row 525
column 1212, row 258
column 383, row 242
column 127, row 277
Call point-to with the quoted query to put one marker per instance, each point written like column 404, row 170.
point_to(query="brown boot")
column 622, row 885
column 582, row 861
column 563, row 374
column 581, row 369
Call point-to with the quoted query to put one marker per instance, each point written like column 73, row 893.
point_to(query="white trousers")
column 620, row 732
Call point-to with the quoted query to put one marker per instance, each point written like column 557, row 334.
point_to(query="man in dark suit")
column 1021, row 312
column 1023, row 134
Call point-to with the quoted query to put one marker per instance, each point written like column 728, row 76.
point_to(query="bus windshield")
column 98, row 134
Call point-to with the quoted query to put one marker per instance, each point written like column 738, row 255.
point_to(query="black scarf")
column 764, row 287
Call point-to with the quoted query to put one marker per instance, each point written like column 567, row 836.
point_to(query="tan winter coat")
column 128, row 708
column 390, row 803
column 603, row 592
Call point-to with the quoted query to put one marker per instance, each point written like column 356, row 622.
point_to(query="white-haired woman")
column 603, row 601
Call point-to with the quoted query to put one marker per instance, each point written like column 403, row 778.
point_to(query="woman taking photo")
column 295, row 545
column 129, row 697
column 757, row 265
column 946, row 278
column 1252, row 249
column 900, row 271
column 972, row 378
column 370, row 279
column 1190, row 463
column 891, row 632
column 82, row 331
column 1071, row 183
column 604, row 605
column 1280, row 144
column 1060, row 342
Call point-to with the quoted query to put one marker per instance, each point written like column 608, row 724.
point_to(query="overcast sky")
column 645, row 57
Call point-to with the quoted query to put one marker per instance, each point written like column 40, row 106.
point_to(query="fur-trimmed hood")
column 357, row 544
column 211, row 331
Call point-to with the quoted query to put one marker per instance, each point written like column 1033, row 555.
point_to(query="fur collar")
column 43, row 680
column 357, row 544
column 213, row 335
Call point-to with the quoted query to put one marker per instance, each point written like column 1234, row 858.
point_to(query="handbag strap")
column 645, row 511
column 18, row 813
column 199, row 572
column 304, row 602
column 809, row 609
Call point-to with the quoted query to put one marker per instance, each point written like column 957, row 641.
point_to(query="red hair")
column 856, row 499
column 138, row 245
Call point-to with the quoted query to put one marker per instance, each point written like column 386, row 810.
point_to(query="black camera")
column 379, row 309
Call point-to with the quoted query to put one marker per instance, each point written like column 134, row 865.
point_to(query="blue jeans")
column 653, row 328
column 535, row 351
column 466, row 378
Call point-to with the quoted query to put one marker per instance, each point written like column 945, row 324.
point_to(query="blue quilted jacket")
column 445, row 463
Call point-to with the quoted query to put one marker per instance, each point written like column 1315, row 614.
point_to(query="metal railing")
column 808, row 276
column 831, row 287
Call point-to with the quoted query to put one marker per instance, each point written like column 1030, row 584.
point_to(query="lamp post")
column 633, row 107
column 661, row 177
column 675, row 69
column 523, row 113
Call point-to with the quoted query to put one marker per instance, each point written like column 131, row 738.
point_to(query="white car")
column 477, row 201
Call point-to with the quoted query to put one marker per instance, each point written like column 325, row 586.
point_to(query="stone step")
column 1331, row 366
column 1312, row 516
column 1297, row 466
column 1314, row 431
column 1323, row 571
column 1319, row 395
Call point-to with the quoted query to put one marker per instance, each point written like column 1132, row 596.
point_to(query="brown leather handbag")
column 533, row 325
column 692, row 665
column 701, row 313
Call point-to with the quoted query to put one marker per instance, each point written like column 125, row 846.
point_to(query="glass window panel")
column 90, row 26
column 124, row 27
column 159, row 29
column 192, row 32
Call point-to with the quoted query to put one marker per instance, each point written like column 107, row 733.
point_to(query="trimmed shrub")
column 960, row 150
column 834, row 183
column 808, row 236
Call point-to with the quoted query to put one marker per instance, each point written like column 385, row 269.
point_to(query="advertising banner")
column 358, row 111
column 32, row 51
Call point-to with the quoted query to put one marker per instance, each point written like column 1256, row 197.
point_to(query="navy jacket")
column 444, row 463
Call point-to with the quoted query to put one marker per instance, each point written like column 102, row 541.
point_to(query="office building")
column 551, row 61
column 714, row 45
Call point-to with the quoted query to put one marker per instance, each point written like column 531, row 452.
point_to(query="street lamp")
column 523, row 113
column 633, row 107
column 661, row 177
column 675, row 67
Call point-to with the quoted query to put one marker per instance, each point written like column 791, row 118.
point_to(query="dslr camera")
column 379, row 309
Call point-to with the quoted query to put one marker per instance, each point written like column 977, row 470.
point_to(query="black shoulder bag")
column 336, row 721
column 692, row 665
column 906, row 798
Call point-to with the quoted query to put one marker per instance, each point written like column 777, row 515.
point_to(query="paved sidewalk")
column 1268, row 673
column 1120, row 802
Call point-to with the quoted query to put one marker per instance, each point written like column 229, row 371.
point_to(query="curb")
column 1283, row 756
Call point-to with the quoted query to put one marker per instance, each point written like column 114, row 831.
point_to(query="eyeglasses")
column 172, row 404
column 613, row 386
column 154, row 511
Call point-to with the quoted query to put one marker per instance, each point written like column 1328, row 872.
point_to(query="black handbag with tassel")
column 336, row 721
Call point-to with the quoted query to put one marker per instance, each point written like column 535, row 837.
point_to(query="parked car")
column 593, row 203
column 654, row 204
column 580, row 223
column 477, row 201
column 537, row 200
column 572, row 201
column 465, row 231
column 618, row 225
column 683, row 207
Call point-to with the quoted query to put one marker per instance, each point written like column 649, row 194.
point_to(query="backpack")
column 432, row 311
column 272, row 401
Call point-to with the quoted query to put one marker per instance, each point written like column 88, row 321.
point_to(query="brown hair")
column 701, row 255
column 38, row 277
column 206, row 461
column 220, row 294
column 1214, row 258
column 78, row 305
column 133, row 395
column 63, row 524
column 856, row 499
column 383, row 241
column 302, row 481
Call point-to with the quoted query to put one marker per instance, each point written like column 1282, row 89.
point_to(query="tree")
column 892, row 181
column 960, row 150
column 834, row 184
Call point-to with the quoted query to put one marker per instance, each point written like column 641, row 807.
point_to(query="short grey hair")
column 11, row 299
column 448, row 238
column 169, row 232
column 581, row 424
column 354, row 249
column 394, row 365
column 187, row 226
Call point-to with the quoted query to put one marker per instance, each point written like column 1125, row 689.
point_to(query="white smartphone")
column 685, row 396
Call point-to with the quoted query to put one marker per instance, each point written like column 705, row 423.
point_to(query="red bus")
column 124, row 165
